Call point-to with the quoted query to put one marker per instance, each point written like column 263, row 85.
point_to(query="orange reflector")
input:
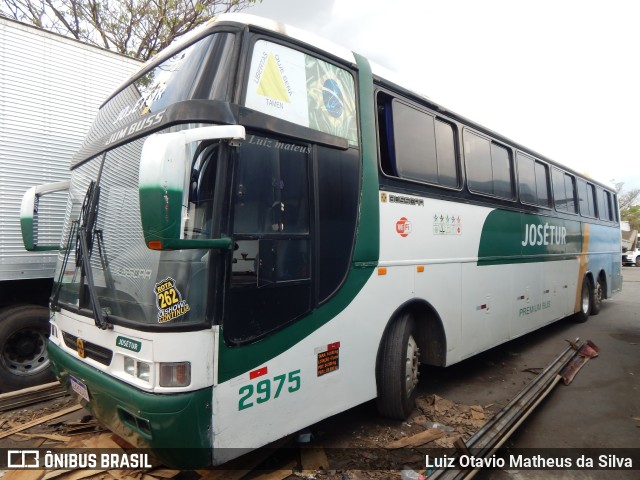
column 155, row 244
column 420, row 268
column 382, row 270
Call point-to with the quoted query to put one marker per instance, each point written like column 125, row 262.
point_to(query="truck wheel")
column 24, row 362
column 638, row 261
column 586, row 301
column 397, row 373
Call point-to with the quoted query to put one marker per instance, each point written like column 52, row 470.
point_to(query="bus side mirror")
column 165, row 167
column 29, row 214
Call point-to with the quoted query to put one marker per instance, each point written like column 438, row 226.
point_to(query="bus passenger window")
column 587, row 199
column 533, row 180
column 415, row 145
column 489, row 166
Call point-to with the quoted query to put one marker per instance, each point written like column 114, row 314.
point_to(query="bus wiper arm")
column 100, row 320
column 84, row 245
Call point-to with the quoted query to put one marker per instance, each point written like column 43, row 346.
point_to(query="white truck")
column 50, row 90
column 632, row 255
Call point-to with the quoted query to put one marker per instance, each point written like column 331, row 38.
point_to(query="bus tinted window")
column 570, row 189
column 559, row 190
column 587, row 199
column 501, row 168
column 564, row 191
column 604, row 204
column 542, row 183
column 423, row 147
column 533, row 179
column 446, row 153
column 489, row 166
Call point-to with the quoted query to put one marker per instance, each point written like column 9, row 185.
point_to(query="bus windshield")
column 133, row 283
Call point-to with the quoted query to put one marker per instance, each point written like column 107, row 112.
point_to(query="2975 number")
column 266, row 389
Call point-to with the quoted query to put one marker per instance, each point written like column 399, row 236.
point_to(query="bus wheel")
column 598, row 297
column 586, row 301
column 23, row 347
column 397, row 375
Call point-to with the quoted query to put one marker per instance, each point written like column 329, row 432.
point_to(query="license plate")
column 79, row 387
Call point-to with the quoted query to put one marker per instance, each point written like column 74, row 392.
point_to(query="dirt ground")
column 352, row 445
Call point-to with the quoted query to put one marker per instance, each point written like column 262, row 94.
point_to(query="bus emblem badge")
column 80, row 348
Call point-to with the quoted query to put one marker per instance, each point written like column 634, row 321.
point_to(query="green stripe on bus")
column 367, row 246
column 234, row 361
column 515, row 237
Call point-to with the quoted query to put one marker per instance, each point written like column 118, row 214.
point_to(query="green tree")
column 139, row 28
column 627, row 201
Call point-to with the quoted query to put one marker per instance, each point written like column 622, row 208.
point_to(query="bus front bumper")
column 177, row 427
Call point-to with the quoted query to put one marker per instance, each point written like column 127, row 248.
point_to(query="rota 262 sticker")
column 169, row 301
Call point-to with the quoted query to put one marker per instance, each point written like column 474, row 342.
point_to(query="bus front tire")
column 586, row 301
column 24, row 361
column 397, row 373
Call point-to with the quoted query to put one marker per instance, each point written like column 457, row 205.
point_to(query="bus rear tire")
column 598, row 297
column 24, row 362
column 397, row 372
column 586, row 301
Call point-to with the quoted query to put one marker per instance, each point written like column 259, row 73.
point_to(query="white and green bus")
column 263, row 230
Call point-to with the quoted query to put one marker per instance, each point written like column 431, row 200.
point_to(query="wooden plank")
column 47, row 436
column 41, row 420
column 417, row 439
column 163, row 473
column 313, row 458
column 279, row 474
column 223, row 474
column 31, row 395
column 101, row 441
column 23, row 475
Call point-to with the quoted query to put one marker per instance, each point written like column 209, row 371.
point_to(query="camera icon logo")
column 23, row 459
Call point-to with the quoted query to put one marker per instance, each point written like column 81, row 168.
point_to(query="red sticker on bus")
column 403, row 227
column 257, row 373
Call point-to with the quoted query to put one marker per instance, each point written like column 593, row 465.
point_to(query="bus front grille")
column 91, row 350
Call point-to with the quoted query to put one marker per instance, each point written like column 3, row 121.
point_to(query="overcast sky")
column 561, row 77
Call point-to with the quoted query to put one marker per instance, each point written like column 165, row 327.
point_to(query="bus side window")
column 533, row 179
column 587, row 198
column 415, row 145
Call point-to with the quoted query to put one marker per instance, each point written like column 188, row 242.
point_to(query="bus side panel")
column 604, row 256
column 330, row 370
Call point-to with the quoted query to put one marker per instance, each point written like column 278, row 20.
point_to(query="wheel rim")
column 598, row 293
column 25, row 352
column 585, row 299
column 412, row 364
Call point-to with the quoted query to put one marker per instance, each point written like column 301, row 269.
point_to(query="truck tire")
column 24, row 361
column 397, row 372
column 637, row 261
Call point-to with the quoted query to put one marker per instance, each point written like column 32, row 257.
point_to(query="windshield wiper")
column 84, row 247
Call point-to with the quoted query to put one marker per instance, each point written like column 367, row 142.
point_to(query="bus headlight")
column 136, row 368
column 175, row 374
